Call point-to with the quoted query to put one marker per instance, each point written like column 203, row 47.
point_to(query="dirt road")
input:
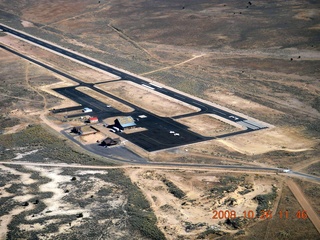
column 313, row 216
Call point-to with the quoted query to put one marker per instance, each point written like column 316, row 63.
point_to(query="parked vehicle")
column 86, row 110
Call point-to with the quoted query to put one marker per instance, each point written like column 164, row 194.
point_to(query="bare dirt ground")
column 285, row 139
column 200, row 123
column 92, row 138
column 109, row 101
column 175, row 215
column 145, row 98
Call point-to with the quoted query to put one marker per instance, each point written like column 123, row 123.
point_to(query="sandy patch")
column 24, row 198
column 148, row 99
column 92, row 138
column 16, row 128
column 36, row 226
column 58, row 193
column 85, row 172
column 3, row 191
column 315, row 27
column 55, row 205
column 307, row 14
column 207, row 178
column 27, row 24
column 285, row 139
column 109, row 101
column 22, row 155
column 206, row 125
column 23, row 177
column 6, row 219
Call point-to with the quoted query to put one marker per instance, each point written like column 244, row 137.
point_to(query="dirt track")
column 313, row 216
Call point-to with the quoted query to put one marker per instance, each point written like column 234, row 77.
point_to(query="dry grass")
column 147, row 99
column 206, row 125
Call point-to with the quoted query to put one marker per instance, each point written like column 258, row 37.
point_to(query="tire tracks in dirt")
column 33, row 88
column 130, row 40
column 75, row 17
column 175, row 65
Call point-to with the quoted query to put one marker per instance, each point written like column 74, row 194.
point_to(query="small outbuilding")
column 124, row 122
column 93, row 120
column 110, row 141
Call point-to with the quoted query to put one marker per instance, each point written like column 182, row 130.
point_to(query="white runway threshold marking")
column 147, row 86
column 155, row 85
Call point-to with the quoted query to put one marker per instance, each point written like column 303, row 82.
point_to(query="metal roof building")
column 124, row 122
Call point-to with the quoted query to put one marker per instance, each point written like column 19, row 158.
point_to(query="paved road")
column 204, row 108
column 299, row 195
column 151, row 164
column 194, row 166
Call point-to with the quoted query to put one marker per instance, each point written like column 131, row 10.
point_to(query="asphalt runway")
column 157, row 136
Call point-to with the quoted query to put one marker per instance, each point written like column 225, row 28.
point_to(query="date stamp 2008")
column 264, row 214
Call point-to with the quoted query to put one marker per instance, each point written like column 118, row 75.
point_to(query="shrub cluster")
column 265, row 201
column 173, row 189
column 141, row 216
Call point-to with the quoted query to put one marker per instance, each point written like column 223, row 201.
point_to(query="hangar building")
column 124, row 122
